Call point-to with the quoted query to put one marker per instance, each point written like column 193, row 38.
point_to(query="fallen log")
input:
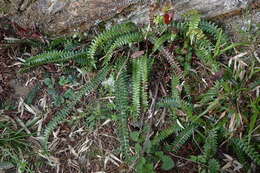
column 66, row 16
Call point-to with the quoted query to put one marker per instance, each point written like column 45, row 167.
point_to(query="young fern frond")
column 63, row 114
column 129, row 38
column 194, row 32
column 210, row 146
column 249, row 150
column 122, row 108
column 214, row 166
column 109, row 35
column 203, row 50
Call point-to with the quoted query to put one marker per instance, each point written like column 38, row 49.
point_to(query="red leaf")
column 167, row 18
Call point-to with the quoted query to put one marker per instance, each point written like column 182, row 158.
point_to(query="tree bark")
column 66, row 16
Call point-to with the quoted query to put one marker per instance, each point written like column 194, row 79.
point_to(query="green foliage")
column 194, row 101
column 210, row 146
column 214, row 166
column 182, row 138
column 111, row 34
column 120, row 42
column 194, row 32
column 140, row 84
column 248, row 149
column 54, row 56
column 122, row 108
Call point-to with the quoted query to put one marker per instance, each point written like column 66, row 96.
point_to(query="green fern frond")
column 63, row 114
column 144, row 85
column 109, row 35
column 182, row 27
column 162, row 135
column 213, row 30
column 161, row 40
column 122, row 108
column 182, row 138
column 210, row 146
column 136, row 83
column 241, row 156
column 140, row 84
column 169, row 102
column 211, row 94
column 214, row 166
column 194, row 32
column 51, row 57
column 203, row 50
column 249, row 150
column 129, row 38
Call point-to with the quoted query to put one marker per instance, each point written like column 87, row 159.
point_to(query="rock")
column 66, row 16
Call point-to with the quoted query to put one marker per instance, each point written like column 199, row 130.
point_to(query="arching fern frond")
column 161, row 40
column 169, row 102
column 129, row 38
column 109, row 35
column 63, row 113
column 211, row 94
column 172, row 61
column 213, row 30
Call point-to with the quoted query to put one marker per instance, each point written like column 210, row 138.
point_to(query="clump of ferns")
column 193, row 34
column 116, row 37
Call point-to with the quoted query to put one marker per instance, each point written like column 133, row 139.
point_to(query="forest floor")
column 88, row 141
